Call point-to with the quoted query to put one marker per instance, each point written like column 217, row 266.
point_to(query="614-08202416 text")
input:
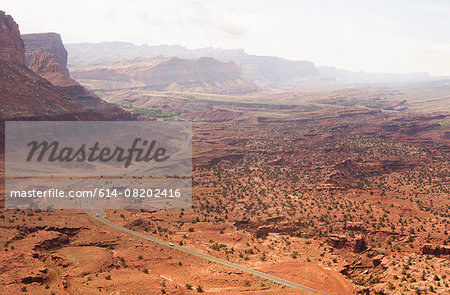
column 98, row 192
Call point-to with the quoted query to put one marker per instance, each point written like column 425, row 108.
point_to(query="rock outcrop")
column 293, row 228
column 43, row 63
column 52, row 243
column 348, row 173
column 354, row 226
column 337, row 241
column 377, row 260
column 436, row 250
column 11, row 45
column 40, row 277
column 46, row 93
column 23, row 93
column 359, row 245
column 46, row 42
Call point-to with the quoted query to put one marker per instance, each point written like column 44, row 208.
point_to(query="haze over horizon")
column 188, row 166
column 397, row 37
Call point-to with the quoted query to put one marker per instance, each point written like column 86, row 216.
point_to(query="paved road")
column 101, row 217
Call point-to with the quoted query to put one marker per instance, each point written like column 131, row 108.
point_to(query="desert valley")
column 330, row 179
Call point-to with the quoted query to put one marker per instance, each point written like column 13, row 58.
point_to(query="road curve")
column 100, row 216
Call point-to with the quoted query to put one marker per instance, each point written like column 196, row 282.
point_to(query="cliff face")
column 23, row 94
column 43, row 63
column 43, row 93
column 46, row 42
column 11, row 45
column 203, row 74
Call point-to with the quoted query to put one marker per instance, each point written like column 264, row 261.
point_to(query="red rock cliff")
column 44, row 63
column 46, row 42
column 11, row 45
column 44, row 93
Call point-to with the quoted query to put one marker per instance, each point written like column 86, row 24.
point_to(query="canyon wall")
column 46, row 42
column 44, row 92
column 11, row 45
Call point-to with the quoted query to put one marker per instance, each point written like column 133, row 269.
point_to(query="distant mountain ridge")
column 204, row 74
column 104, row 52
column 265, row 71
column 340, row 75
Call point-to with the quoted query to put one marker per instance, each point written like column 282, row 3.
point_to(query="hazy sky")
column 374, row 36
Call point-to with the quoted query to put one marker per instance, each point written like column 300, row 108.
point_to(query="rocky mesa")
column 46, row 42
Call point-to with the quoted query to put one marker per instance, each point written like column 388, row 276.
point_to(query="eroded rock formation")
column 436, row 250
column 11, row 45
column 46, row 93
column 44, row 62
column 46, row 42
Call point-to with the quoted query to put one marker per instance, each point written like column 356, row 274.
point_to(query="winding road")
column 100, row 215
